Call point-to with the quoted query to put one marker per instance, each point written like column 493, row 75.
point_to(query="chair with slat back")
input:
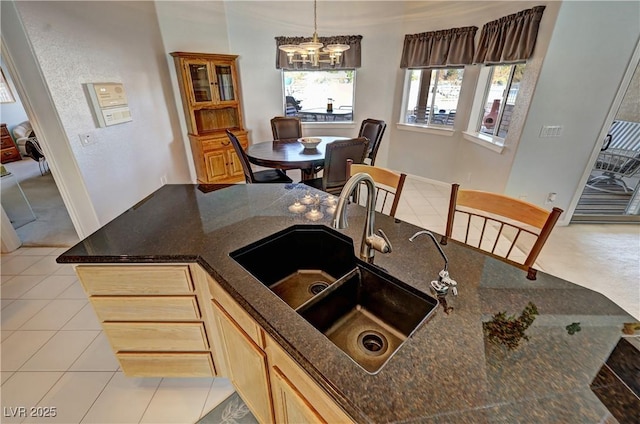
column 335, row 173
column 491, row 212
column 389, row 186
column 286, row 128
column 257, row 177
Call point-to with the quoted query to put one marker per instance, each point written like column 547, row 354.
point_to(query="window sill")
column 445, row 131
column 329, row 124
column 492, row 143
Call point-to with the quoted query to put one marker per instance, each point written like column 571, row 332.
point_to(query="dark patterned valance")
column 349, row 59
column 509, row 39
column 438, row 49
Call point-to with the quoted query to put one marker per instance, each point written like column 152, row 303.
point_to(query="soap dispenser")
column 330, row 105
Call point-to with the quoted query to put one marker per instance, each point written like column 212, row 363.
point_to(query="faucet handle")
column 380, row 242
column 445, row 282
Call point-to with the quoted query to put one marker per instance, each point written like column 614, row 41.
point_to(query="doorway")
column 611, row 193
column 32, row 202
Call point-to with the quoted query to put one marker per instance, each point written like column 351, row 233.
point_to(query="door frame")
column 613, row 110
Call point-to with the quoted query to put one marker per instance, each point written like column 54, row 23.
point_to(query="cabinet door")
column 224, row 82
column 296, row 397
column 216, row 165
column 234, row 167
column 247, row 365
column 198, row 74
column 289, row 404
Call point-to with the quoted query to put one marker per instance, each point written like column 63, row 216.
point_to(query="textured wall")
column 630, row 107
column 579, row 79
column 81, row 42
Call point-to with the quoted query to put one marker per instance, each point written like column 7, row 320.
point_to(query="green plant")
column 509, row 330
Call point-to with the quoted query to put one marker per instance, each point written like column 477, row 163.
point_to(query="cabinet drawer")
column 10, row 155
column 6, row 142
column 146, row 308
column 135, row 280
column 222, row 141
column 149, row 337
column 191, row 364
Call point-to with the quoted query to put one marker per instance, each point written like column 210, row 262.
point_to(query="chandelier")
column 314, row 52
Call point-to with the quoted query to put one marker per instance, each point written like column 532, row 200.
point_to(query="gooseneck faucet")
column 444, row 282
column 370, row 241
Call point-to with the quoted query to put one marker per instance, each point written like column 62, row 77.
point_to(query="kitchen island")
column 451, row 370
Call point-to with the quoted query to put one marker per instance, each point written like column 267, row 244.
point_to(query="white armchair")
column 28, row 145
column 21, row 133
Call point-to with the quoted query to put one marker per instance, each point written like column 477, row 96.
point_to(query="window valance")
column 349, row 59
column 437, row 49
column 509, row 39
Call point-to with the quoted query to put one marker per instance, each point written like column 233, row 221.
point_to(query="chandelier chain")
column 315, row 16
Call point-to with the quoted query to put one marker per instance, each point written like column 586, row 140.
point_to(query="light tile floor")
column 54, row 353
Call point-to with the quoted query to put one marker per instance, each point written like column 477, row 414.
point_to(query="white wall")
column 582, row 71
column 452, row 158
column 190, row 26
column 82, row 42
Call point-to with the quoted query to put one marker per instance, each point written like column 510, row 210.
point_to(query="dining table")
column 291, row 154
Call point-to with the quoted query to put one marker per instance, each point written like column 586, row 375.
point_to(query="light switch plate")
column 87, row 138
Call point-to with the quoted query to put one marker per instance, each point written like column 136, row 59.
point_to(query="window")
column 499, row 99
column 431, row 96
column 319, row 96
column 6, row 96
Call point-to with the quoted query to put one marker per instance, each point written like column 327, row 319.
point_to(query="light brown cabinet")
column 296, row 397
column 272, row 385
column 151, row 317
column 177, row 321
column 247, row 365
column 209, row 88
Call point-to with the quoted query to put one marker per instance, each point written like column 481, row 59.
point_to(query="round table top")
column 289, row 154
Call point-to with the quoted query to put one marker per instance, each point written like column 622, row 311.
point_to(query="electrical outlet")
column 87, row 138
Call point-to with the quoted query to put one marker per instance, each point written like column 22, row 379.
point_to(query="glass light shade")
column 289, row 48
column 338, row 48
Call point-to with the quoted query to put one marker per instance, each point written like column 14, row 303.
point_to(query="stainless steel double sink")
column 363, row 310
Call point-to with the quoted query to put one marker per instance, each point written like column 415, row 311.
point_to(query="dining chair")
column 258, row 177
column 334, row 175
column 502, row 226
column 286, row 128
column 389, row 186
column 373, row 130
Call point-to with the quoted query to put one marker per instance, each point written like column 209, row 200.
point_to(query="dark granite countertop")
column 449, row 371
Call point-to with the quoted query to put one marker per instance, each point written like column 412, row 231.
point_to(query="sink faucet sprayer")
column 370, row 241
column 444, row 282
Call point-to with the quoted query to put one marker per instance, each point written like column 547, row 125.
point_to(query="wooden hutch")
column 211, row 101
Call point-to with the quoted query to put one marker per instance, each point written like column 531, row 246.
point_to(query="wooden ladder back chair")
column 389, row 185
column 506, row 212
